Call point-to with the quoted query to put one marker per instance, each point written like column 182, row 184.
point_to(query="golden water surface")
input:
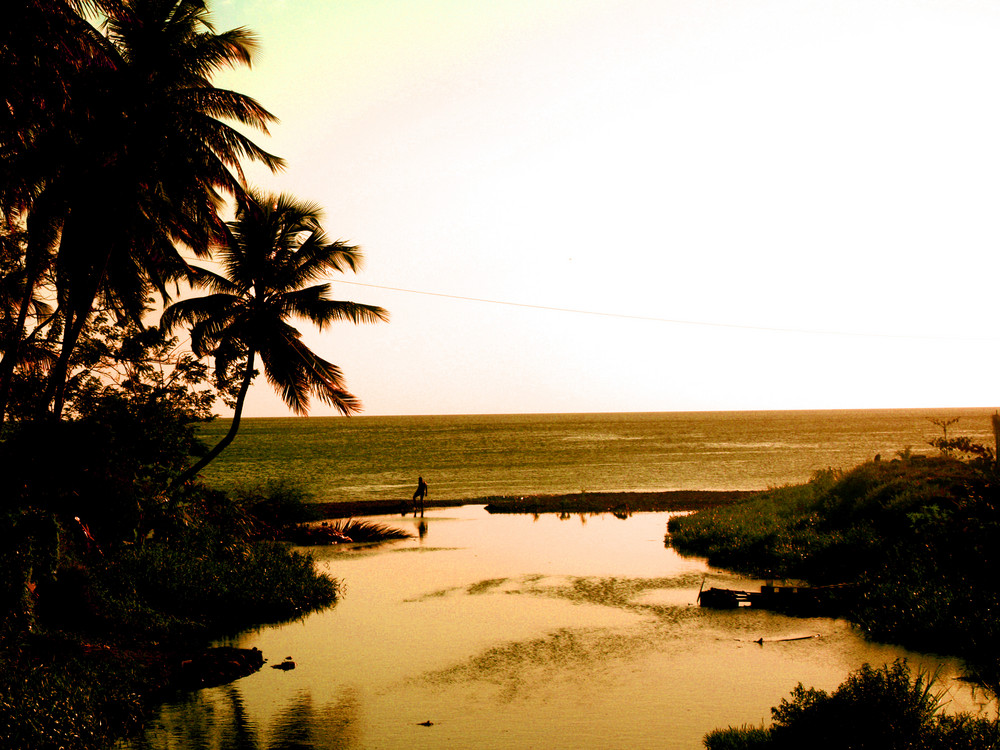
column 520, row 632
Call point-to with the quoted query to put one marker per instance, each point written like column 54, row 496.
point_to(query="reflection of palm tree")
column 298, row 725
column 294, row 727
column 195, row 720
column 240, row 734
column 276, row 249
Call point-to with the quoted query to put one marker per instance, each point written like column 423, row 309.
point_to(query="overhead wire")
column 674, row 321
column 659, row 319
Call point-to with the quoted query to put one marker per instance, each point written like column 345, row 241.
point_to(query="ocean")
column 339, row 459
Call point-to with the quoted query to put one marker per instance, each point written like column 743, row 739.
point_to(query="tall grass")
column 161, row 590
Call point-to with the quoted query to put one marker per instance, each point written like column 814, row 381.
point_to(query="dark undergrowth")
column 97, row 629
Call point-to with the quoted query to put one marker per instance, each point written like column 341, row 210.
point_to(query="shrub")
column 278, row 504
column 883, row 708
column 878, row 708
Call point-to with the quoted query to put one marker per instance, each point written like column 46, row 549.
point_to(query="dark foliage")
column 882, row 708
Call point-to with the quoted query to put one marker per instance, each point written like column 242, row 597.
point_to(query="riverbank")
column 578, row 502
column 916, row 537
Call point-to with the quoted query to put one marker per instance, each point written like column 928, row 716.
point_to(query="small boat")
column 724, row 598
column 790, row 599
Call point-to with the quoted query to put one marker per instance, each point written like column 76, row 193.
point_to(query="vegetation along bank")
column 916, row 540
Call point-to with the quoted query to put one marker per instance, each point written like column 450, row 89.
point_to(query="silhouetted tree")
column 140, row 135
column 276, row 249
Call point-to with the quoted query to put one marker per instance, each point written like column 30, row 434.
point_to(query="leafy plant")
column 883, row 708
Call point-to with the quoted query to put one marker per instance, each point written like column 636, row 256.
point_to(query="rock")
column 216, row 666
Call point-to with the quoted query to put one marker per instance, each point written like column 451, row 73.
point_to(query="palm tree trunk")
column 34, row 261
column 11, row 348
column 229, row 436
column 55, row 389
column 83, row 289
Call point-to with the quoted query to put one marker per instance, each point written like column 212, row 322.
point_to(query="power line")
column 673, row 321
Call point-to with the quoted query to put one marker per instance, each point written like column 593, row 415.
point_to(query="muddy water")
column 521, row 632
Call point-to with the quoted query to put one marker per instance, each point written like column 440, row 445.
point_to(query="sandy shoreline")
column 579, row 502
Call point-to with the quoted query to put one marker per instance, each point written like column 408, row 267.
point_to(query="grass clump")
column 283, row 511
column 885, row 708
column 368, row 531
column 345, row 530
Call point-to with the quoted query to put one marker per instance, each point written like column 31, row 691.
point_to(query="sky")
column 645, row 205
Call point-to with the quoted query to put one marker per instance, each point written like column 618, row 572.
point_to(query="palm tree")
column 44, row 47
column 144, row 139
column 276, row 249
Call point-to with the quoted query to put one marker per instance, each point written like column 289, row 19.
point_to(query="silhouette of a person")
column 421, row 493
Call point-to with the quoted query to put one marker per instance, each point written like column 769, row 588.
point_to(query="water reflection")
column 218, row 720
column 509, row 632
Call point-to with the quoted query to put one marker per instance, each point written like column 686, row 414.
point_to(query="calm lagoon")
column 515, row 631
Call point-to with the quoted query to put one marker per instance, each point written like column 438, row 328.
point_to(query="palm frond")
column 195, row 309
column 227, row 49
column 297, row 373
column 231, row 146
column 203, row 278
column 317, row 257
column 226, row 105
column 312, row 304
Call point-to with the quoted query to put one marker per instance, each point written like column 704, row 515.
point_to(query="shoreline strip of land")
column 577, row 502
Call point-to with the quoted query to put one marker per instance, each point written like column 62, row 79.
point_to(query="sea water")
column 466, row 457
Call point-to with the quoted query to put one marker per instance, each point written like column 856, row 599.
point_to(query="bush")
column 278, row 504
column 878, row 708
column 882, row 708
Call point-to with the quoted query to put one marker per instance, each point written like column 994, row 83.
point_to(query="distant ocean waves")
column 468, row 457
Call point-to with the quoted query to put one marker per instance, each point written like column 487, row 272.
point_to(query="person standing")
column 421, row 493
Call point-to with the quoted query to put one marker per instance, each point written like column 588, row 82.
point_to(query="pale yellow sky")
column 802, row 165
